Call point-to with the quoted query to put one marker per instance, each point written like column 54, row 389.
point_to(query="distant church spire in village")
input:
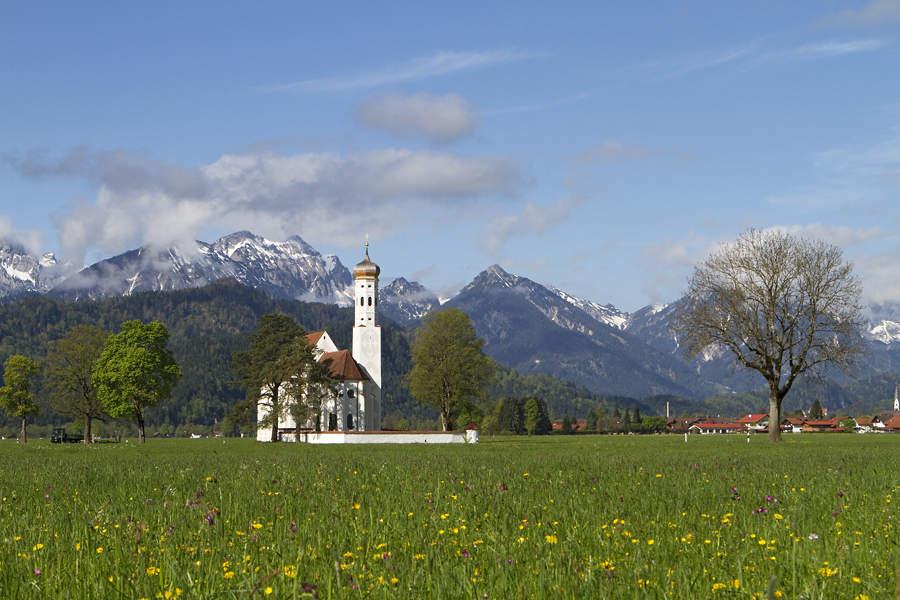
column 896, row 400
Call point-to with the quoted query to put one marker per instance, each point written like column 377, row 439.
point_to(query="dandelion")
column 650, row 542
column 152, row 571
column 268, row 591
column 100, row 550
column 229, row 575
column 551, row 539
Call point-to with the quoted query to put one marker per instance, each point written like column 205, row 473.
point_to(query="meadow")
column 551, row 517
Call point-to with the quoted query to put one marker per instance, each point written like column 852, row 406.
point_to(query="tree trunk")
column 141, row 436
column 24, row 435
column 774, row 416
column 445, row 421
column 87, row 430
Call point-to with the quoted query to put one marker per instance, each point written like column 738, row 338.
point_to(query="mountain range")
column 528, row 326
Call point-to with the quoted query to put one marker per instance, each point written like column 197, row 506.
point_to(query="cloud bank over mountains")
column 320, row 196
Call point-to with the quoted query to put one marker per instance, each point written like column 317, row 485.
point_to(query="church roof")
column 313, row 338
column 366, row 268
column 342, row 366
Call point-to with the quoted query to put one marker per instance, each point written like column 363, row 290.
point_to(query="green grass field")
column 552, row 517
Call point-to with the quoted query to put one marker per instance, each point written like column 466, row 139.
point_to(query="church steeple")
column 896, row 400
column 367, row 338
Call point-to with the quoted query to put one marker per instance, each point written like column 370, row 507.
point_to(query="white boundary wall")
column 386, row 437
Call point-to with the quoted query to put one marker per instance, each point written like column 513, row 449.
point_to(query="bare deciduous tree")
column 782, row 305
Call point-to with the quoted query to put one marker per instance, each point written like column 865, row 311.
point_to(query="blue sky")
column 602, row 148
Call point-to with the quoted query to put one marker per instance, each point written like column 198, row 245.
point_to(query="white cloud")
column 880, row 274
column 842, row 237
column 534, row 219
column 318, row 196
column 877, row 12
column 752, row 55
column 32, row 239
column 441, row 63
column 440, row 119
column 850, row 176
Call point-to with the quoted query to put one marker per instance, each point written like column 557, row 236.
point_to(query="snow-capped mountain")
column 535, row 329
column 289, row 269
column 20, row 272
column 608, row 313
column 407, row 302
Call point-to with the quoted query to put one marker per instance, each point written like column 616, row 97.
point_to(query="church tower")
column 367, row 340
column 896, row 400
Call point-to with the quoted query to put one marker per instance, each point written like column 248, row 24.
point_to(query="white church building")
column 352, row 415
column 356, row 404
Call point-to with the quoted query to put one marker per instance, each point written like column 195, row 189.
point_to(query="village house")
column 709, row 427
column 755, row 422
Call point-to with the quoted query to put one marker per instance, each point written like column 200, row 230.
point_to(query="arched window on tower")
column 349, row 420
column 362, row 301
column 370, row 300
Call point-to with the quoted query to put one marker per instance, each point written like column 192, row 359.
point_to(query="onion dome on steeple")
column 366, row 268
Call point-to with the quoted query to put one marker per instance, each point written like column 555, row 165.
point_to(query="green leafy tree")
column 135, row 371
column 537, row 418
column 566, row 427
column 815, row 412
column 849, row 425
column 69, row 368
column 16, row 396
column 780, row 305
column 653, row 424
column 450, row 369
column 490, row 425
column 279, row 374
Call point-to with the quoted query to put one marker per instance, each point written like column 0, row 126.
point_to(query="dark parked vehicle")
column 59, row 436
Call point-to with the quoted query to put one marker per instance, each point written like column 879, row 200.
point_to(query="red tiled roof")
column 342, row 366
column 892, row 423
column 313, row 338
column 753, row 418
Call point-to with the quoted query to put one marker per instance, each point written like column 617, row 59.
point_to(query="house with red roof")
column 755, row 422
column 831, row 425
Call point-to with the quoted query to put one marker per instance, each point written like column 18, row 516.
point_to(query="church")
column 356, row 404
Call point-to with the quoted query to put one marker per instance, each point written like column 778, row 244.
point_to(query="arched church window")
column 362, row 301
column 370, row 300
column 349, row 421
